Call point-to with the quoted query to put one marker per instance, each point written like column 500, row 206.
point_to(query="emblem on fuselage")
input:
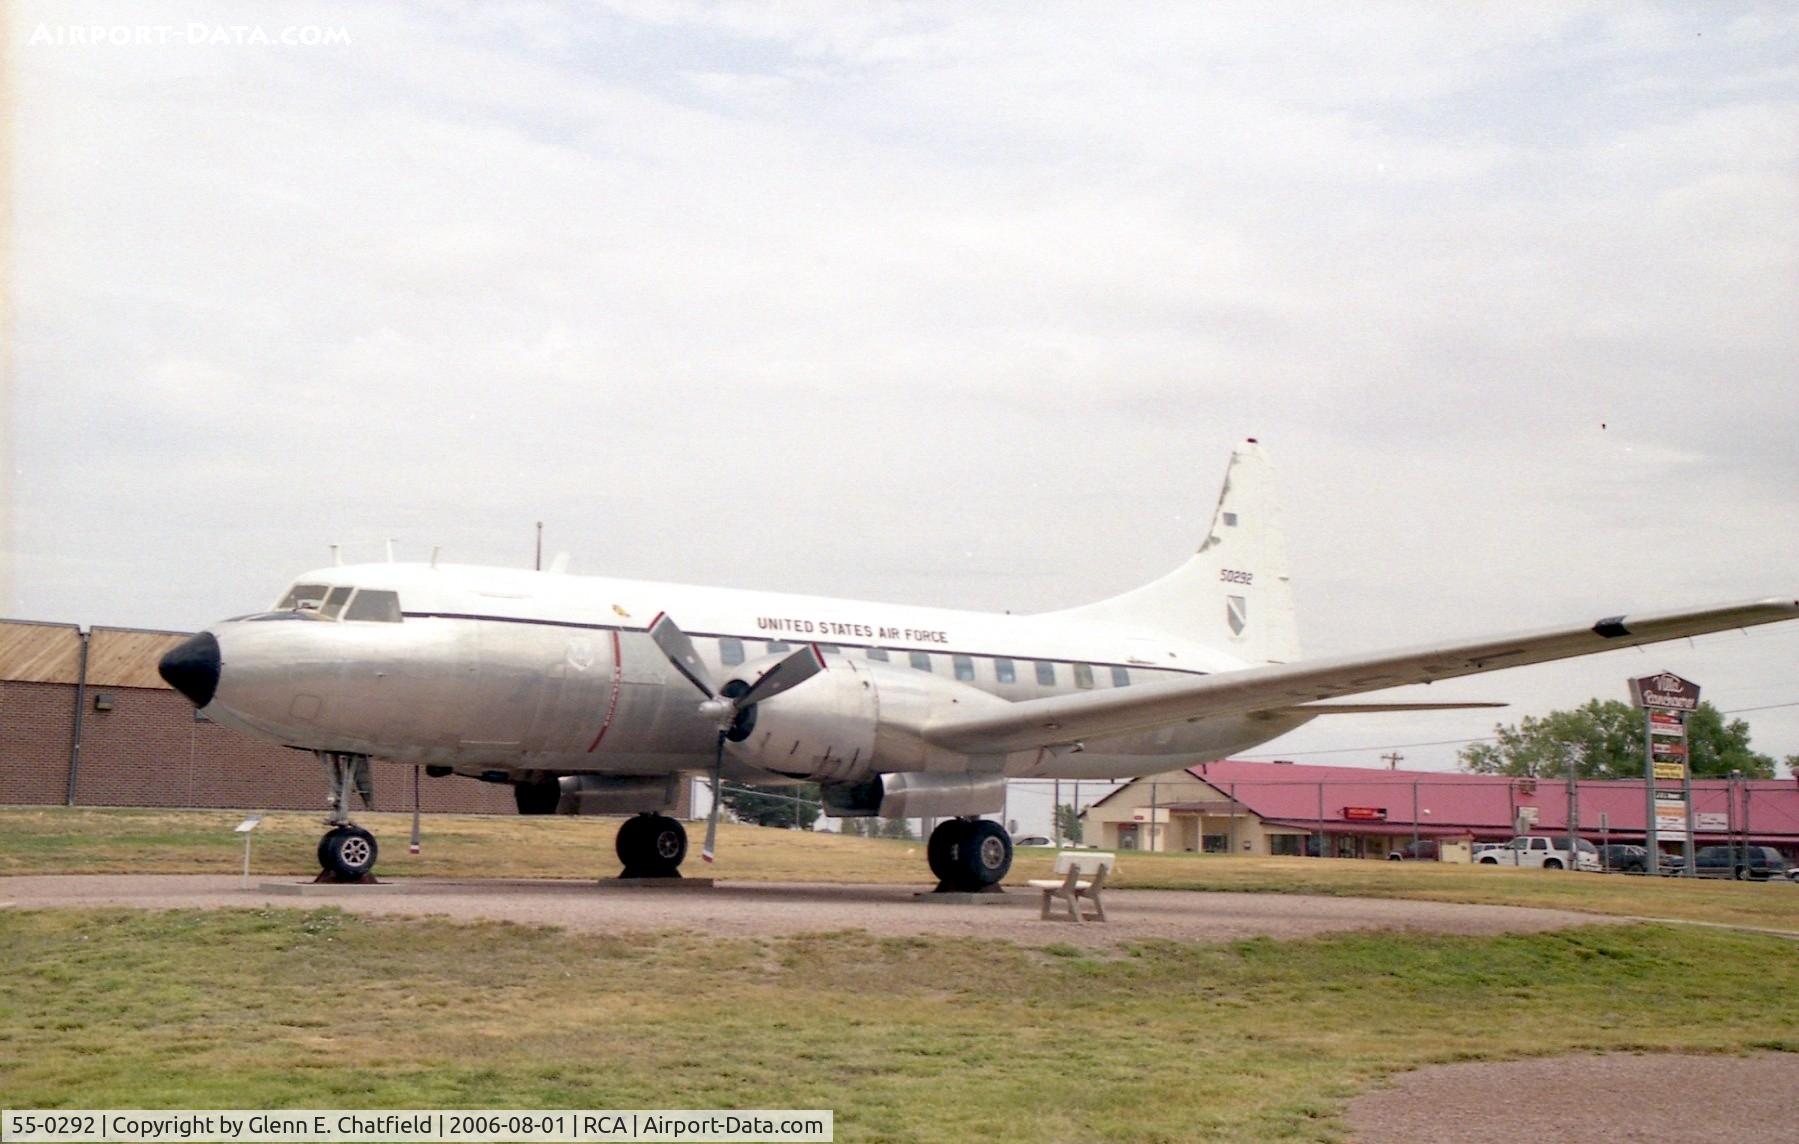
column 580, row 653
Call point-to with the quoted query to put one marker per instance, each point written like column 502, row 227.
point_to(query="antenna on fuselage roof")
column 337, row 554
column 390, row 550
column 537, row 564
column 435, row 549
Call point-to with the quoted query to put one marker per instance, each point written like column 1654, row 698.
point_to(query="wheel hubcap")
column 354, row 851
column 668, row 844
column 993, row 853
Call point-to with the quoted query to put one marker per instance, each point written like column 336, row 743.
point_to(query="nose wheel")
column 347, row 852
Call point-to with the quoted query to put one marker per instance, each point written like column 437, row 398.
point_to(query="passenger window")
column 878, row 653
column 1121, row 677
column 775, row 647
column 921, row 660
column 964, row 667
column 1083, row 675
column 307, row 596
column 730, row 651
column 1046, row 673
column 1005, row 671
column 829, row 649
column 374, row 604
column 334, row 603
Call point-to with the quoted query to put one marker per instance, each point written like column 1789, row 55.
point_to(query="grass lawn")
column 63, row 840
column 906, row 1039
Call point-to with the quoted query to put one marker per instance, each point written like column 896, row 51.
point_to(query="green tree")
column 877, row 827
column 896, row 828
column 1792, row 762
column 1068, row 822
column 774, row 806
column 1605, row 737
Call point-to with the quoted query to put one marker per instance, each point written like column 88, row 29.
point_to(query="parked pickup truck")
column 1543, row 851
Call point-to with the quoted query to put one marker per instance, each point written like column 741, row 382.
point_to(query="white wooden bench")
column 1079, row 874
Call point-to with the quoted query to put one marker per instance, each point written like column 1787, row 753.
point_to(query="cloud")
column 945, row 304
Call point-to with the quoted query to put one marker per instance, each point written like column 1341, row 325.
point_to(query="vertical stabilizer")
column 1233, row 594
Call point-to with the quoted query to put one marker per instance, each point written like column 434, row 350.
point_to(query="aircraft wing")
column 1284, row 687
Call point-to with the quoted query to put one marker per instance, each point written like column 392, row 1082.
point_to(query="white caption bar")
column 414, row 1124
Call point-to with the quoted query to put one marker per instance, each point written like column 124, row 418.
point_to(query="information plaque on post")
column 1665, row 699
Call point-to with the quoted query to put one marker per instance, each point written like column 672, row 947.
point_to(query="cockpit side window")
column 334, row 601
column 306, row 597
column 374, row 604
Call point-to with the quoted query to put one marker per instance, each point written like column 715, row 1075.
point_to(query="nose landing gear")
column 347, row 852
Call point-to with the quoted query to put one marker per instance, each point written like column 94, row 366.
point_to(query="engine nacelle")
column 913, row 795
column 856, row 720
column 616, row 794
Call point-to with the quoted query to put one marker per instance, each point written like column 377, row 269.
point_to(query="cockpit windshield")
column 335, row 601
column 343, row 602
column 302, row 598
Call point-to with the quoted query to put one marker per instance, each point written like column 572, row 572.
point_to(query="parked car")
column 1629, row 858
column 1425, row 848
column 1542, row 852
column 1032, row 840
column 1758, row 862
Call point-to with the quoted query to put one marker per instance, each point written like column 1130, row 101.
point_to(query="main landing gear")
column 969, row 855
column 651, row 846
column 347, row 852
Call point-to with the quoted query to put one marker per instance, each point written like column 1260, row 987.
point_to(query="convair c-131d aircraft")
column 585, row 695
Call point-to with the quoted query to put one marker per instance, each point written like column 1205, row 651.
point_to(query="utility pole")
column 1392, row 760
column 1574, row 808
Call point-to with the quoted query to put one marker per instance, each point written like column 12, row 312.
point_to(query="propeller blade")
column 679, row 650
column 796, row 669
column 718, row 763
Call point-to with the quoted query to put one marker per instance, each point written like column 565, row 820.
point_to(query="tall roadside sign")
column 1666, row 699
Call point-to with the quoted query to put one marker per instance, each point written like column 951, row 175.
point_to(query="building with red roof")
column 1236, row 807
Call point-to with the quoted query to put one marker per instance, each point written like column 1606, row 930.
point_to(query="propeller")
column 727, row 706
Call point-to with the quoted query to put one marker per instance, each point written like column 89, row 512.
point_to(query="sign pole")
column 1665, row 699
column 1650, row 842
column 1686, row 787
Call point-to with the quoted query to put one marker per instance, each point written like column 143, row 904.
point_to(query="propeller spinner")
column 731, row 706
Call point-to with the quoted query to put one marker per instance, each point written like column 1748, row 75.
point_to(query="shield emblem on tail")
column 1236, row 610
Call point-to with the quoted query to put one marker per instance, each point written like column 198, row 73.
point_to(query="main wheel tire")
column 651, row 846
column 940, row 851
column 349, row 852
column 983, row 855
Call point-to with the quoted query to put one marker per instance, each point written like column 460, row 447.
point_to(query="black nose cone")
column 192, row 668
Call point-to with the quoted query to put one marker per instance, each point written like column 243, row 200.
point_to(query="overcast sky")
column 947, row 304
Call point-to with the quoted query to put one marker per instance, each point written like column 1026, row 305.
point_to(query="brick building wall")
column 37, row 721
